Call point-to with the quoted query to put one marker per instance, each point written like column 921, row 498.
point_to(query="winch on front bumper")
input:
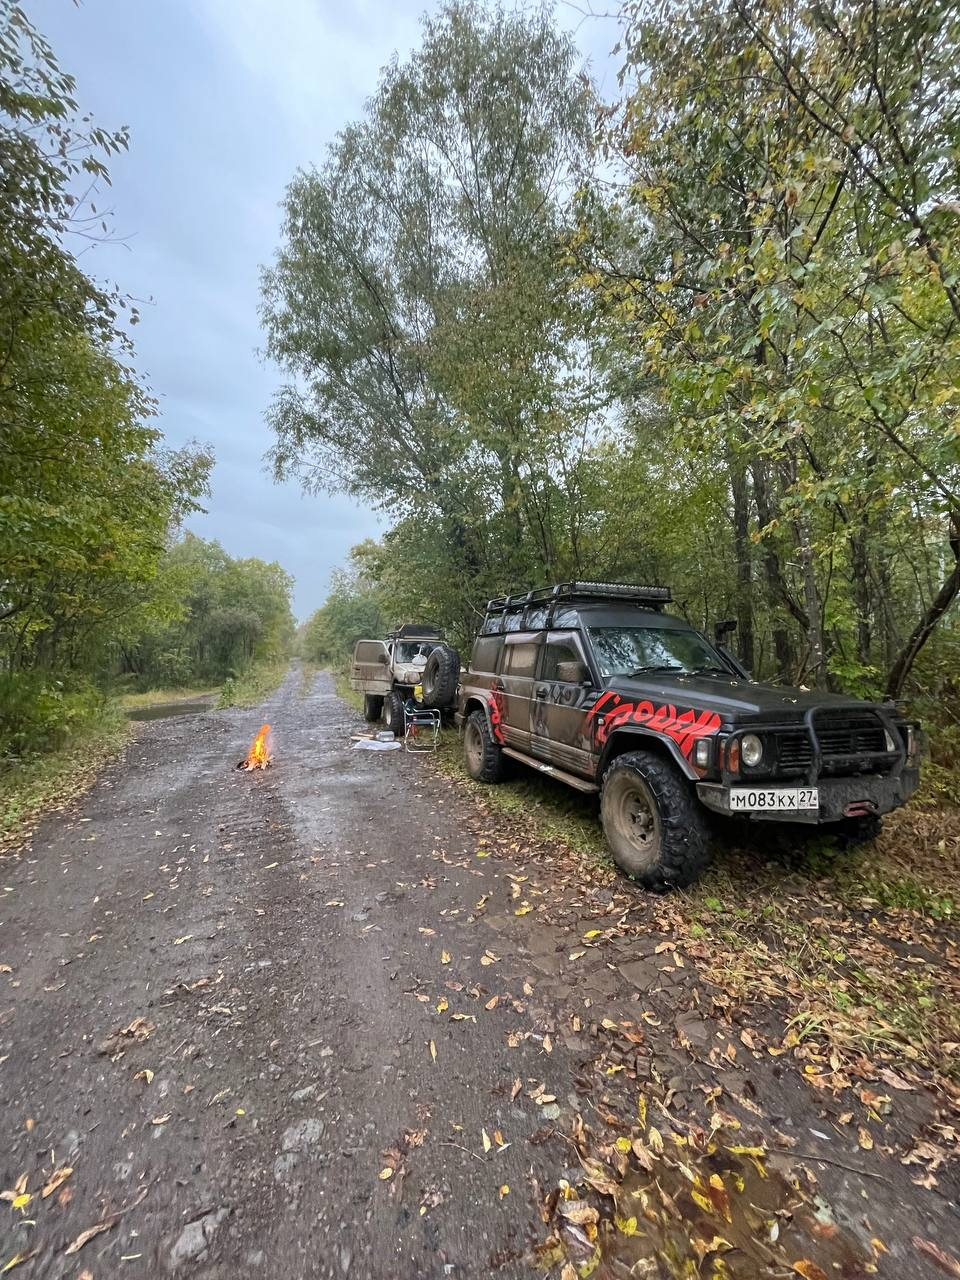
column 835, row 764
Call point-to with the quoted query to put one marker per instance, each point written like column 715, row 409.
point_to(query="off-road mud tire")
column 677, row 849
column 440, row 677
column 482, row 754
column 372, row 707
column 393, row 713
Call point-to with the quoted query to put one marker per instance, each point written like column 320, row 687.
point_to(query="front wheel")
column 372, row 707
column 393, row 713
column 654, row 826
column 484, row 756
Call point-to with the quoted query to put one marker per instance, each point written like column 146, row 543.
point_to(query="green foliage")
column 254, row 684
column 88, row 496
column 214, row 617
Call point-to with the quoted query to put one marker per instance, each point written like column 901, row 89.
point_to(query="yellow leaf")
column 483, row 853
column 443, row 1005
column 623, row 1144
column 385, row 1174
column 865, row 1138
column 524, row 910
column 656, row 1141
column 486, row 1140
column 628, row 1226
column 444, row 957
column 145, row 1074
column 593, row 933
column 702, row 1200
column 492, row 1002
column 504, row 1191
column 642, row 1111
column 433, row 1051
column 809, row 1270
column 179, row 941
column 575, row 955
column 21, row 1201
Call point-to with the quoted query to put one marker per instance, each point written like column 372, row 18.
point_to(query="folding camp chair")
column 421, row 727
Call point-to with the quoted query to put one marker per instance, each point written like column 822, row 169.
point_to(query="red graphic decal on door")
column 495, row 703
column 684, row 727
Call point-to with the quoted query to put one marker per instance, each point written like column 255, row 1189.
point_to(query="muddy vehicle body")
column 593, row 684
column 388, row 672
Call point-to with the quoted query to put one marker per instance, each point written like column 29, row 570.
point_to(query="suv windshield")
column 630, row 650
column 414, row 651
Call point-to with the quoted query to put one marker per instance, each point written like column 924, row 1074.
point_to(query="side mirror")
column 384, row 659
column 723, row 629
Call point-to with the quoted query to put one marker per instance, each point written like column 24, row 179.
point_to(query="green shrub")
column 39, row 712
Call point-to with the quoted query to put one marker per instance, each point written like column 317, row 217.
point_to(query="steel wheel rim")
column 639, row 821
column 474, row 746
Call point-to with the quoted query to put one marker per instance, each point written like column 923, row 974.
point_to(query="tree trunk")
column 925, row 627
column 777, row 593
column 815, row 663
column 741, row 546
column 861, row 592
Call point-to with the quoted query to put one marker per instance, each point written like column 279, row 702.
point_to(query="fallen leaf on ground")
column 946, row 1261
column 161, row 1119
column 487, row 1144
column 145, row 1074
column 385, row 1174
column 492, row 1002
column 488, row 957
column 56, row 1179
column 179, row 941
column 433, row 1051
column 89, row 1234
column 504, row 1191
column 517, row 1086
column 809, row 1270
column 865, row 1138
column 444, row 957
column 18, row 1258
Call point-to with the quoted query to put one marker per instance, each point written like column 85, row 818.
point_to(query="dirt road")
column 298, row 1023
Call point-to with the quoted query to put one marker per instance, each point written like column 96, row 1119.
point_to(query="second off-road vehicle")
column 388, row 671
column 593, row 684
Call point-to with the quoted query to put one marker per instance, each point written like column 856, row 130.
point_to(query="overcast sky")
column 224, row 99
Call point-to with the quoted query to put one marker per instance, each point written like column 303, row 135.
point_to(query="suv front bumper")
column 838, row 796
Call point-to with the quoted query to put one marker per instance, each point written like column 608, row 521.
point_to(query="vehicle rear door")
column 518, row 666
column 562, row 692
column 370, row 672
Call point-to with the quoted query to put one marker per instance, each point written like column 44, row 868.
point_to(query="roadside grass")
column 153, row 697
column 341, row 683
column 38, row 785
column 256, row 683
column 546, row 809
column 837, row 954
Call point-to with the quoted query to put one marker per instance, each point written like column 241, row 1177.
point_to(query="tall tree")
column 436, row 352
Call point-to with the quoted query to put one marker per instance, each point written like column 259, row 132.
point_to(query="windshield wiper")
column 710, row 671
column 662, row 666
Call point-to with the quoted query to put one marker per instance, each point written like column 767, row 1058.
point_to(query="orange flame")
column 258, row 757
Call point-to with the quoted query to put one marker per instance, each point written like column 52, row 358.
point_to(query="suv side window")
column 486, row 653
column 520, row 657
column 562, row 655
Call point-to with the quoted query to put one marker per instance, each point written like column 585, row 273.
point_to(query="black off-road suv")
column 593, row 684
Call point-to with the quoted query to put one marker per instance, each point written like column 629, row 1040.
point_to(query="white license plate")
column 773, row 799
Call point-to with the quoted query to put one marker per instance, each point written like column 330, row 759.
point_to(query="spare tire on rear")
column 440, row 677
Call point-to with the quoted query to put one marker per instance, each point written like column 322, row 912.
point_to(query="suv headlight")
column 751, row 750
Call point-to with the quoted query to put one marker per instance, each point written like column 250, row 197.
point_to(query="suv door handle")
column 541, row 692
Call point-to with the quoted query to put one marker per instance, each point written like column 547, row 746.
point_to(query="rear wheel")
column 654, row 826
column 372, row 707
column 393, row 713
column 484, row 756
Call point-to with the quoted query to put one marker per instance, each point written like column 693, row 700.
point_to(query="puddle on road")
column 160, row 710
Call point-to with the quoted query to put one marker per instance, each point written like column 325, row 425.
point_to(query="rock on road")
column 274, row 932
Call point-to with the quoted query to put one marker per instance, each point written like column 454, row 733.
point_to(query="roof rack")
column 415, row 631
column 568, row 591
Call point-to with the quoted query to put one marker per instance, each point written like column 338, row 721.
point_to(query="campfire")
column 258, row 757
